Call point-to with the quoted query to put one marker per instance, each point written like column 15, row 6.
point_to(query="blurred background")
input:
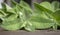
column 28, row 1
column 31, row 1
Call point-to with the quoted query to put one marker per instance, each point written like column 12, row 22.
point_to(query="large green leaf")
column 41, row 22
column 48, row 10
column 11, row 25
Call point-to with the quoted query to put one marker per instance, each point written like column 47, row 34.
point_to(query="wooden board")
column 37, row 32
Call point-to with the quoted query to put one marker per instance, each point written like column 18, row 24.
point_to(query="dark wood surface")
column 37, row 32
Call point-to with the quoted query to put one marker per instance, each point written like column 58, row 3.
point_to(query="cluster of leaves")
column 43, row 16
column 15, row 17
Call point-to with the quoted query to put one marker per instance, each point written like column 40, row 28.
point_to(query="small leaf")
column 29, row 27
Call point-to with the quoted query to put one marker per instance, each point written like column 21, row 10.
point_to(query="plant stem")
column 55, row 25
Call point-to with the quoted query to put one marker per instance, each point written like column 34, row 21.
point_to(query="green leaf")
column 14, row 3
column 47, row 5
column 25, row 6
column 27, row 14
column 10, row 9
column 7, row 9
column 17, row 8
column 48, row 9
column 11, row 25
column 4, row 7
column 56, row 15
column 10, row 17
column 41, row 22
column 55, row 5
column 29, row 26
column 44, row 7
column 2, row 14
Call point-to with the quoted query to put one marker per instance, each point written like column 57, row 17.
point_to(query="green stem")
column 55, row 25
